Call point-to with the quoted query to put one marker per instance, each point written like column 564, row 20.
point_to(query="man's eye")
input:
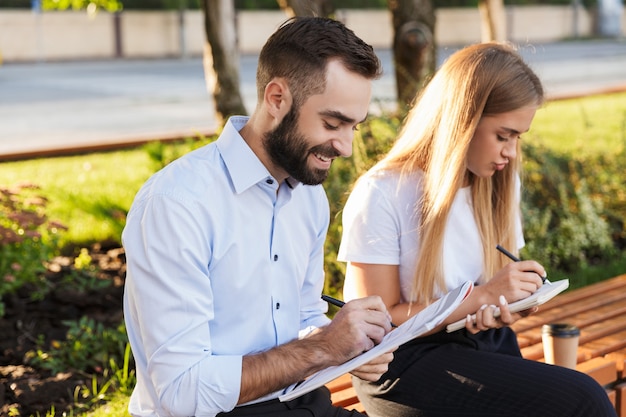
column 502, row 138
column 329, row 126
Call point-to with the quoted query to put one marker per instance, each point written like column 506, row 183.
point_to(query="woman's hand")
column 516, row 281
column 374, row 369
column 486, row 317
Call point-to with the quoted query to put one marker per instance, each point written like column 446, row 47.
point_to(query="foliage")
column 91, row 6
column 101, row 352
column 161, row 153
column 27, row 240
column 337, row 4
column 88, row 347
column 565, row 225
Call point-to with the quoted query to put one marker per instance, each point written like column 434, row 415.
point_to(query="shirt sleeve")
column 168, row 305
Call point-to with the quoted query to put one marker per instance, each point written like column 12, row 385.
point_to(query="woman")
column 427, row 218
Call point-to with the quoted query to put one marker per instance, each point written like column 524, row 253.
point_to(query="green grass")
column 88, row 193
column 594, row 124
column 117, row 406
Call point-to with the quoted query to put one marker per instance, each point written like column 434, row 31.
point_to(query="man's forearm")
column 277, row 368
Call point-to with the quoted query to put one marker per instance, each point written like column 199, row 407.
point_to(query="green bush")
column 89, row 347
column 566, row 221
column 28, row 239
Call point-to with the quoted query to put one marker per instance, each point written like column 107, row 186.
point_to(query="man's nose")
column 343, row 144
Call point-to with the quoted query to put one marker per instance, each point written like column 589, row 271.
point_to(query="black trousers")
column 317, row 403
column 461, row 374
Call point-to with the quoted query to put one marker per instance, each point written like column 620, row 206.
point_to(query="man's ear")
column 277, row 98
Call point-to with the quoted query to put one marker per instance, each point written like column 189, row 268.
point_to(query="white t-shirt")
column 380, row 227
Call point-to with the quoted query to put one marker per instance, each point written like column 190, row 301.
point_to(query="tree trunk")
column 306, row 7
column 413, row 47
column 221, row 58
column 493, row 20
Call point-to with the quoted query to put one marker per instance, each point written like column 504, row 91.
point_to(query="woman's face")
column 495, row 140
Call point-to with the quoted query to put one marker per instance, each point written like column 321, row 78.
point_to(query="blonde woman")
column 427, row 218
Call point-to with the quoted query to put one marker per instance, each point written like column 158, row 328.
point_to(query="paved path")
column 57, row 106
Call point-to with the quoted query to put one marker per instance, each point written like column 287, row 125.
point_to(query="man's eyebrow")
column 340, row 116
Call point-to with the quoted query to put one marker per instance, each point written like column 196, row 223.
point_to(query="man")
column 225, row 246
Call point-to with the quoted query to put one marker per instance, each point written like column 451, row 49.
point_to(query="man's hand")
column 357, row 327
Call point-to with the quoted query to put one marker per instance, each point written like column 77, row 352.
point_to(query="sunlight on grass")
column 90, row 193
column 117, row 406
column 595, row 124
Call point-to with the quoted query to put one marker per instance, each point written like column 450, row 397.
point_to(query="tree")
column 221, row 58
column 307, row 7
column 492, row 20
column 413, row 47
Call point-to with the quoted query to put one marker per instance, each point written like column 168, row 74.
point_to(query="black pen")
column 515, row 259
column 339, row 303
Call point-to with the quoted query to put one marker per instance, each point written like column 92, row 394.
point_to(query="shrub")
column 565, row 221
column 27, row 240
column 89, row 347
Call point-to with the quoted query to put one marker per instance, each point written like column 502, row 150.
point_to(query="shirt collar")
column 244, row 167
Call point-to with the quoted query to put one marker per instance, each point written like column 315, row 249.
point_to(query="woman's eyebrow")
column 512, row 131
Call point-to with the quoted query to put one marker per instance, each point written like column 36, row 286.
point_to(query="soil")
column 31, row 391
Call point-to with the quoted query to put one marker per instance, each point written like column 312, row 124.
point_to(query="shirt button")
column 269, row 181
column 275, row 258
column 277, row 306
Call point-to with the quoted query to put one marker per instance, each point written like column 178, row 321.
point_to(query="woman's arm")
column 515, row 281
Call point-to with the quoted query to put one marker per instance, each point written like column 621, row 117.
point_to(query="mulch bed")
column 30, row 391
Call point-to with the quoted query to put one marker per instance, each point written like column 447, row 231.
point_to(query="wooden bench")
column 599, row 310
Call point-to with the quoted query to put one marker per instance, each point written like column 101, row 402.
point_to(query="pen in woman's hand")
column 339, row 303
column 515, row 259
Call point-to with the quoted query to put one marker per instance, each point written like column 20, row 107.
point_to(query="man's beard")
column 289, row 149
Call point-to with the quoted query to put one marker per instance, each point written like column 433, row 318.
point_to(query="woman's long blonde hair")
column 479, row 80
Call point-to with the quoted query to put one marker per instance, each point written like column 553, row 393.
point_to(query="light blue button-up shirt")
column 221, row 263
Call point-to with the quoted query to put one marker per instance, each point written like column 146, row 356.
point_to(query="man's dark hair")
column 300, row 49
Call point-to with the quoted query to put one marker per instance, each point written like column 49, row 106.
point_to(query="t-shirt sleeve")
column 370, row 227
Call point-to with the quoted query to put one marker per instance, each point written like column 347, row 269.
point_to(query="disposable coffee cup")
column 560, row 344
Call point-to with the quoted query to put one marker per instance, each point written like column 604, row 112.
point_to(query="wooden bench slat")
column 584, row 320
column 590, row 333
column 619, row 357
column 603, row 370
column 555, row 312
column 604, row 345
column 571, row 296
column 620, row 400
column 343, row 382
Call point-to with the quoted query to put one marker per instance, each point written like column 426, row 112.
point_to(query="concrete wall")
column 29, row 36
